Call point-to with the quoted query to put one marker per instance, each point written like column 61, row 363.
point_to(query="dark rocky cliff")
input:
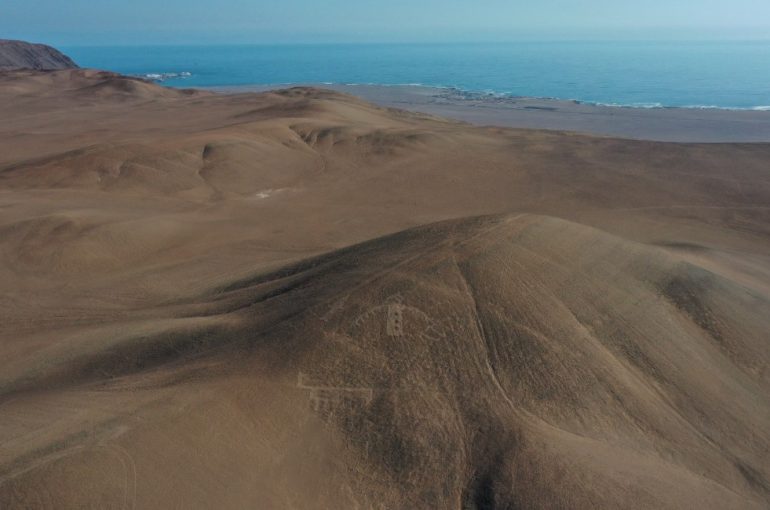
column 24, row 55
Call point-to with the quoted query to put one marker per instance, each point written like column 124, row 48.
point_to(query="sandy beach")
column 697, row 125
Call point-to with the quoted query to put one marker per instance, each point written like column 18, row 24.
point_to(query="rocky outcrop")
column 24, row 55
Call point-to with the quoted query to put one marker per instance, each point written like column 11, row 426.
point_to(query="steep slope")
column 24, row 55
column 496, row 362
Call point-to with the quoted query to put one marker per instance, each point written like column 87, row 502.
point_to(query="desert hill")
column 299, row 300
column 84, row 87
column 24, row 55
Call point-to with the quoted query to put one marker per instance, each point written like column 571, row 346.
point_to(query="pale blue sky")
column 71, row 22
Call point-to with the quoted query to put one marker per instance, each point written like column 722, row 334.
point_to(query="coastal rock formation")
column 24, row 55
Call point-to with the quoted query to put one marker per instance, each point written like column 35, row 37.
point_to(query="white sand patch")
column 267, row 193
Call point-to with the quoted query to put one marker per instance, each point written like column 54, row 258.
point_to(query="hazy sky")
column 186, row 21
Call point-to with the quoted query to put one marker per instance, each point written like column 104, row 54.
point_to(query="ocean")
column 723, row 74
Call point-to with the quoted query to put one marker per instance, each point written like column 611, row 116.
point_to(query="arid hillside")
column 296, row 299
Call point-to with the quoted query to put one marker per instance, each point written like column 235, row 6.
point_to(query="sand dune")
column 299, row 300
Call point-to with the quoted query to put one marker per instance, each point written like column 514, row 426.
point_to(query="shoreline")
column 659, row 123
column 446, row 91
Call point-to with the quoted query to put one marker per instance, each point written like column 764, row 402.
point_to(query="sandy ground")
column 655, row 124
column 298, row 299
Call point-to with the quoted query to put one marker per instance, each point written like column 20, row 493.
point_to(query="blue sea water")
column 723, row 74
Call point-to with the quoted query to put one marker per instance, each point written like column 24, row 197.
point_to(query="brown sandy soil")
column 299, row 300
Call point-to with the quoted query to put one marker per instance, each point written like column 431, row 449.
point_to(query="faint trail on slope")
column 488, row 348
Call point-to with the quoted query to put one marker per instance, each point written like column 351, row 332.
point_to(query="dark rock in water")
column 24, row 55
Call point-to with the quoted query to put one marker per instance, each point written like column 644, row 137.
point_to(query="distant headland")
column 24, row 55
